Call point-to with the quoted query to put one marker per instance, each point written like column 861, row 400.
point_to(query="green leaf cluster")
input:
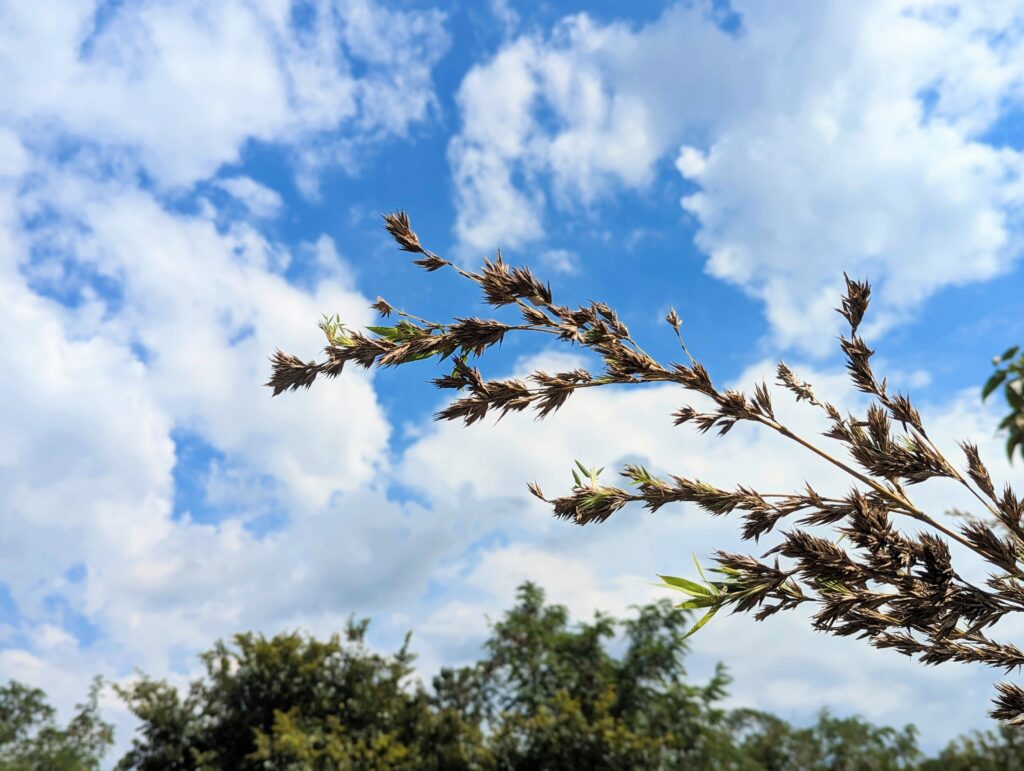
column 1009, row 373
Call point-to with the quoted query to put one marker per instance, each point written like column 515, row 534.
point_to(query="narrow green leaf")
column 697, row 602
column 685, row 585
column 1009, row 353
column 707, row 617
column 699, row 571
column 993, row 383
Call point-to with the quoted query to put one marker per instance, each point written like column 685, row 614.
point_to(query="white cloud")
column 561, row 261
column 184, row 86
column 14, row 159
column 260, row 200
column 505, row 14
column 807, row 133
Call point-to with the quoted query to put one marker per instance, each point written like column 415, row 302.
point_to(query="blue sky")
column 186, row 186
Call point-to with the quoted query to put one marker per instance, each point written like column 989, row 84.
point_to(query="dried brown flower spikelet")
column 1009, row 704
column 397, row 224
column 855, row 303
column 787, row 378
column 673, row 319
column 291, row 373
column 383, row 307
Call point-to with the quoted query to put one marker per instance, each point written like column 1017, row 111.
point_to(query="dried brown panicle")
column 873, row 577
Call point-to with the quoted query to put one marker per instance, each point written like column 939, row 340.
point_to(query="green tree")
column 1000, row 750
column 1009, row 373
column 767, row 743
column 557, row 698
column 545, row 694
column 292, row 702
column 31, row 739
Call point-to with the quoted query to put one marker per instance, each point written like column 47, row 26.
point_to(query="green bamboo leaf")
column 698, row 602
column 993, row 383
column 685, row 585
column 707, row 617
column 699, row 571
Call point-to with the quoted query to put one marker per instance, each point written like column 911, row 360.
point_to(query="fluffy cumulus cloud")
column 824, row 138
column 182, row 87
column 176, row 341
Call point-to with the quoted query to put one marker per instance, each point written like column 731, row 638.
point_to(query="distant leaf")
column 1009, row 353
column 993, row 383
column 1016, row 440
column 1013, row 395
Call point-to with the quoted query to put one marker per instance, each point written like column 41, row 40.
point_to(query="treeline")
column 545, row 694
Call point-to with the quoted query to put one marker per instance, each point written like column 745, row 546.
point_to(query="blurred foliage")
column 1001, row 750
column 1009, row 374
column 31, row 739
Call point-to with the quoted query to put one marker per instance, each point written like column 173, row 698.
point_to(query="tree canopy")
column 32, row 740
column 545, row 693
